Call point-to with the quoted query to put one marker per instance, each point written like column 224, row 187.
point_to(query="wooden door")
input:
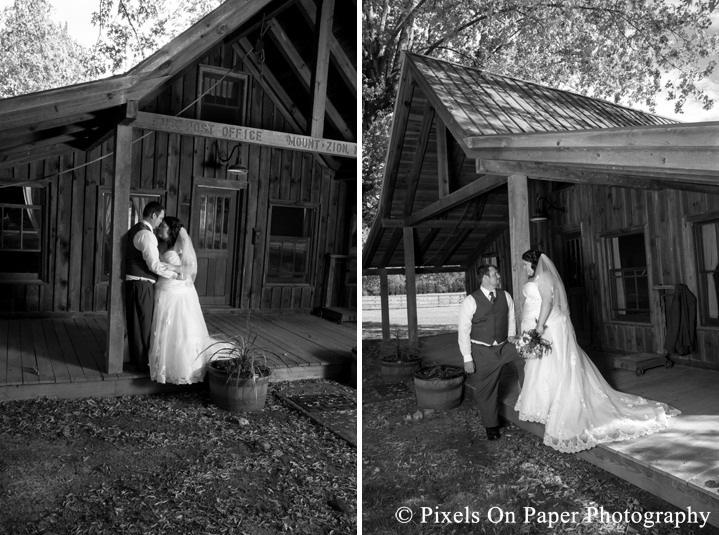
column 214, row 230
column 571, row 268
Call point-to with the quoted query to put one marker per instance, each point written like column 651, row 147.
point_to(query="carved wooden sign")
column 243, row 134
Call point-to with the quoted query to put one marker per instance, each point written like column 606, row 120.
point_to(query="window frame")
column 612, row 303
column 311, row 261
column 159, row 195
column 237, row 76
column 41, row 277
column 703, row 304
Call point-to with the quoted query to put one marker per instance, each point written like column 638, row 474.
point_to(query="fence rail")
column 372, row 302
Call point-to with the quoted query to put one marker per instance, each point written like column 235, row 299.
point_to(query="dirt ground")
column 433, row 465
column 171, row 464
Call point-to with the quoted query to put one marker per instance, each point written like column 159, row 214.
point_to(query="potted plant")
column 238, row 374
column 399, row 359
column 439, row 386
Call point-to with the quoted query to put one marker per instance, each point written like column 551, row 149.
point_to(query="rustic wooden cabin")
column 482, row 167
column 244, row 127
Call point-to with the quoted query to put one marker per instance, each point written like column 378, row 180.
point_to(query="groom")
column 142, row 267
column 486, row 319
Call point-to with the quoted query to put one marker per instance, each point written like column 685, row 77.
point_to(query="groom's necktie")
column 491, row 297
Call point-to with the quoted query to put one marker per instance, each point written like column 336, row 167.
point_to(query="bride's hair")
column 174, row 225
column 531, row 256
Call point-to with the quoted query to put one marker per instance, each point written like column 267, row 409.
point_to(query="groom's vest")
column 490, row 322
column 134, row 263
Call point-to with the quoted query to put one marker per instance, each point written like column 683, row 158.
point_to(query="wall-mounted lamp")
column 541, row 215
column 236, row 168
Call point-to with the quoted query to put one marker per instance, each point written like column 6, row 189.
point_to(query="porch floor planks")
column 68, row 351
column 674, row 463
column 4, row 347
column 46, row 374
column 313, row 331
column 14, row 355
column 30, row 373
column 59, row 366
column 282, row 355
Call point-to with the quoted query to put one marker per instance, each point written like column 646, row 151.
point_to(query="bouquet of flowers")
column 530, row 345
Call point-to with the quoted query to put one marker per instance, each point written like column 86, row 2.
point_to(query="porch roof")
column 80, row 117
column 458, row 133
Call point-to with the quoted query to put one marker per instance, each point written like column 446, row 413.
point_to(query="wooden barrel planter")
column 237, row 394
column 439, row 386
column 399, row 370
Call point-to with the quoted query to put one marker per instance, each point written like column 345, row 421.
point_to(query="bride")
column 179, row 332
column 564, row 390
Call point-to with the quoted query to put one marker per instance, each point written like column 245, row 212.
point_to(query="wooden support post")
column 411, row 283
column 518, row 235
column 120, row 203
column 319, row 88
column 384, row 303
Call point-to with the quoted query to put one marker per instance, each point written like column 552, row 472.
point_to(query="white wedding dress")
column 179, row 332
column 566, row 392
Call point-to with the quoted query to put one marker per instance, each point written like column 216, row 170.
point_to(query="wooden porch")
column 62, row 356
column 679, row 464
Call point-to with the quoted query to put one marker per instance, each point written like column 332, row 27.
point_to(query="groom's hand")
column 469, row 366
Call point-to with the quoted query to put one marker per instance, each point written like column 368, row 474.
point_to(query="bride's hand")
column 540, row 330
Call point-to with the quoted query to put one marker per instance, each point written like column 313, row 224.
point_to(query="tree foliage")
column 35, row 52
column 131, row 30
column 625, row 51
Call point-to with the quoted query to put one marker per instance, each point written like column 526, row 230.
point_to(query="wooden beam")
column 489, row 238
column 457, row 241
column 650, row 160
column 305, row 75
column 319, row 78
column 438, row 223
column 655, row 137
column 442, row 159
column 34, row 155
column 384, row 303
column 417, row 270
column 120, row 201
column 566, row 174
column 478, row 187
column 411, row 282
column 243, row 134
column 518, row 234
column 418, row 160
column 344, row 63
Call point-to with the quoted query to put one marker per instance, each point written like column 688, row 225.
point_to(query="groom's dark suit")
column 490, row 351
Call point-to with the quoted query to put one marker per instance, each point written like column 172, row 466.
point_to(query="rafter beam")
column 305, row 75
column 318, row 89
column 439, row 223
column 478, row 187
column 419, row 154
column 565, row 174
column 343, row 62
column 442, row 159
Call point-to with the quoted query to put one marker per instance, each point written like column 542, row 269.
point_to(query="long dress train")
column 566, row 392
column 179, row 332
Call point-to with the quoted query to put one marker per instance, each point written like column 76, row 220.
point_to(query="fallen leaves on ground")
column 437, row 462
column 170, row 464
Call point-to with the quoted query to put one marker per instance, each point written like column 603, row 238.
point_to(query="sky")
column 77, row 14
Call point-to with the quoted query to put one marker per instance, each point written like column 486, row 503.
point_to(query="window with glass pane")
column 21, row 209
column 223, row 99
column 134, row 215
column 214, row 222
column 706, row 237
column 628, row 278
column 291, row 229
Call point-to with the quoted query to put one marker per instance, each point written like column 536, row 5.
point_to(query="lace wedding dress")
column 565, row 391
column 179, row 332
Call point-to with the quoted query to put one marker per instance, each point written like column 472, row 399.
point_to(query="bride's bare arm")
column 546, row 308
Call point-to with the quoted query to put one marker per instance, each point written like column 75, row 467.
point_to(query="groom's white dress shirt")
column 464, row 325
column 145, row 241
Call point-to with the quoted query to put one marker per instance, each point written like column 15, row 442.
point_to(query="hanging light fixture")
column 236, row 168
column 542, row 215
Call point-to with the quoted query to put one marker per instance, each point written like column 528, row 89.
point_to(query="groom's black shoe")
column 492, row 433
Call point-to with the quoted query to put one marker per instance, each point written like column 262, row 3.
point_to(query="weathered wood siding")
column 598, row 210
column 167, row 164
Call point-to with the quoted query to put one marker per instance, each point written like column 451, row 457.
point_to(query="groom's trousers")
column 488, row 363
column 139, row 305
